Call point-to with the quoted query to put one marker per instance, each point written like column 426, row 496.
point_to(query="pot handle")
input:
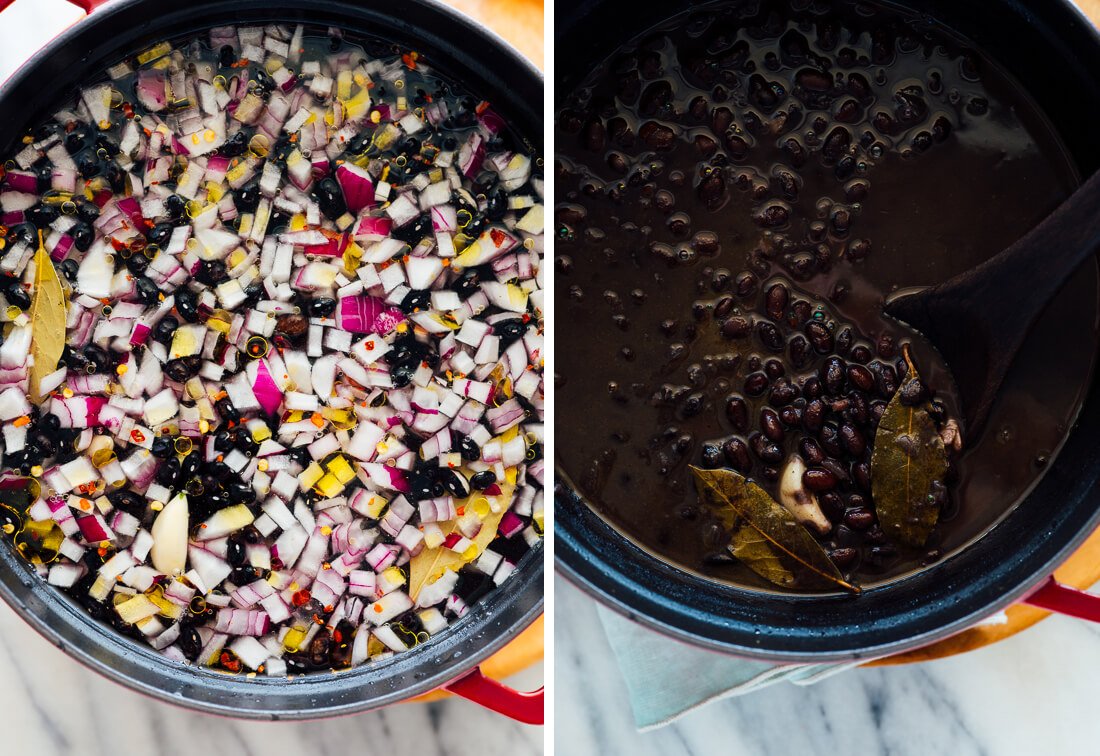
column 523, row 707
column 85, row 5
column 1055, row 597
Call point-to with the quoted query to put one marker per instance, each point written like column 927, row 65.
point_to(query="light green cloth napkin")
column 667, row 678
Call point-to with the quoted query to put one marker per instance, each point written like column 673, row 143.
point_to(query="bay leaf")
column 908, row 463
column 427, row 566
column 750, row 547
column 766, row 538
column 48, row 315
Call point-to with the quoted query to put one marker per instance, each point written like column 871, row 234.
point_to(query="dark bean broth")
column 912, row 159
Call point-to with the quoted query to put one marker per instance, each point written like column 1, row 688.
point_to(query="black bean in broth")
column 736, row 195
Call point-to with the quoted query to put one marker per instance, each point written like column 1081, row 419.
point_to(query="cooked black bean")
column 737, row 455
column 736, row 328
column 776, row 303
column 770, row 336
column 819, row 479
column 852, row 440
column 820, row 337
column 771, row 425
column 832, row 375
column 737, row 412
column 765, row 449
column 756, row 384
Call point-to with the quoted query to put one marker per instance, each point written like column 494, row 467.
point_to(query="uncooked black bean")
column 771, row 425
column 737, row 455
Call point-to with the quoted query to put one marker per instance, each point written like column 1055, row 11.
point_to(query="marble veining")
column 52, row 706
column 1033, row 693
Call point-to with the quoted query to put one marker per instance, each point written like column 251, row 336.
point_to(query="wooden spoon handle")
column 1028, row 274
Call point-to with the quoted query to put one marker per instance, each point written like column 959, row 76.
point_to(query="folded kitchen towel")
column 667, row 678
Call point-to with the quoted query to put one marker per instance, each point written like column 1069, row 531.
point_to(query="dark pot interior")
column 1061, row 45
column 460, row 49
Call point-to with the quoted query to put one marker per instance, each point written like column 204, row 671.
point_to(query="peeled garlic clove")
column 799, row 500
column 169, row 552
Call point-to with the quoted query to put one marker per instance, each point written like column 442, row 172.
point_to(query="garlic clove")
column 799, row 500
column 169, row 551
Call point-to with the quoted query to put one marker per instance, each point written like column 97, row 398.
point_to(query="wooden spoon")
column 978, row 319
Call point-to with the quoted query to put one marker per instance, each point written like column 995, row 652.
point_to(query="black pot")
column 463, row 50
column 1016, row 558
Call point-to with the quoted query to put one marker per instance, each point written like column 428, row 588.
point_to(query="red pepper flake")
column 301, row 597
column 409, row 59
column 497, row 236
column 369, row 346
column 230, row 662
column 482, row 107
column 137, row 436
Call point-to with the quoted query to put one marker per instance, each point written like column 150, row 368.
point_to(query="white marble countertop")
column 51, row 706
column 1033, row 693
